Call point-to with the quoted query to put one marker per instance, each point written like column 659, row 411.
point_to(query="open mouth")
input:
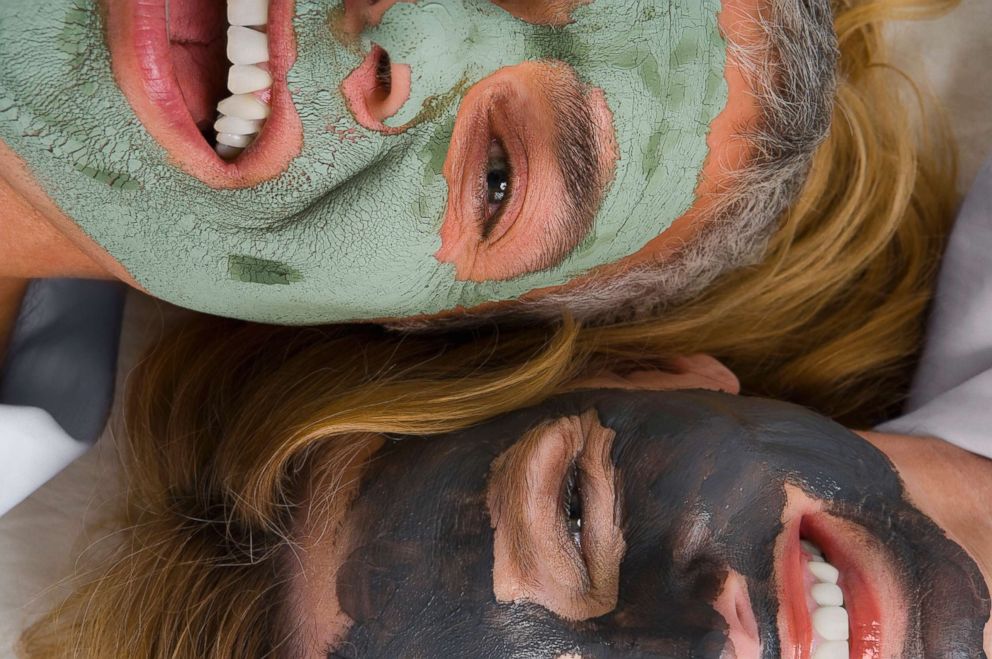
column 838, row 589
column 208, row 81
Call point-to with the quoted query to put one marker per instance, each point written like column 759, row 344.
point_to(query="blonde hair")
column 833, row 315
column 224, row 418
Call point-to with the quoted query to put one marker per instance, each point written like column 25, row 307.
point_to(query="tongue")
column 197, row 34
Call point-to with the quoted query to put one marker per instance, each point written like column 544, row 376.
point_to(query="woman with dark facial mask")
column 378, row 508
column 651, row 524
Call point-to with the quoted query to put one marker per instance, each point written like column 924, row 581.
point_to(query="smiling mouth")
column 208, row 82
column 838, row 588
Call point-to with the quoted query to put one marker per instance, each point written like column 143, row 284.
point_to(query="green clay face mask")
column 350, row 228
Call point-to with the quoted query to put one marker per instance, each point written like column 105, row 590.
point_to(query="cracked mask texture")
column 417, row 577
column 350, row 229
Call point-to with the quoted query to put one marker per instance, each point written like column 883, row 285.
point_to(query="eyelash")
column 572, row 503
column 497, row 184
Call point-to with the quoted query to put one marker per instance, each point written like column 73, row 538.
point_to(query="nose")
column 435, row 39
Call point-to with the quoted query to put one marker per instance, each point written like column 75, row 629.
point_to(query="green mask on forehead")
column 350, row 229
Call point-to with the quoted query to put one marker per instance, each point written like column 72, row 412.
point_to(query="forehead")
column 689, row 417
column 695, row 433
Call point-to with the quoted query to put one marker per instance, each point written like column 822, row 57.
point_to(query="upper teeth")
column 247, row 46
column 248, row 12
column 242, row 115
column 826, row 607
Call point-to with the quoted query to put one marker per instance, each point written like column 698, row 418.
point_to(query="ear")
column 692, row 372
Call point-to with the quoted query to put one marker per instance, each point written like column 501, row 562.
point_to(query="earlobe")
column 692, row 372
column 709, row 372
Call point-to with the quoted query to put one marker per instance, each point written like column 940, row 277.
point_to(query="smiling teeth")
column 826, row 606
column 242, row 115
column 248, row 12
column 246, row 46
column 245, row 79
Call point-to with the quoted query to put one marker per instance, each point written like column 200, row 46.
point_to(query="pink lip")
column 876, row 623
column 142, row 64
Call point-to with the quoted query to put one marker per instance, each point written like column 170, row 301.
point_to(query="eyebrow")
column 576, row 152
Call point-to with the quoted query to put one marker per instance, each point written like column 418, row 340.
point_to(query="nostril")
column 377, row 89
column 387, row 96
column 384, row 75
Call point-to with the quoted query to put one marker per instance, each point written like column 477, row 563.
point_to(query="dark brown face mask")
column 418, row 578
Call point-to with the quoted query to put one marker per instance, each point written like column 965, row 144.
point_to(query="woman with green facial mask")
column 636, row 154
column 334, row 212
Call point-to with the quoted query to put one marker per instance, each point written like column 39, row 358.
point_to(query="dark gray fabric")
column 62, row 355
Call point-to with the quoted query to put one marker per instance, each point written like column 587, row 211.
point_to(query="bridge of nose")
column 449, row 45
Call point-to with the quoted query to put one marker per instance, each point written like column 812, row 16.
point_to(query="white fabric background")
column 31, row 437
column 952, row 54
column 40, row 538
column 953, row 384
